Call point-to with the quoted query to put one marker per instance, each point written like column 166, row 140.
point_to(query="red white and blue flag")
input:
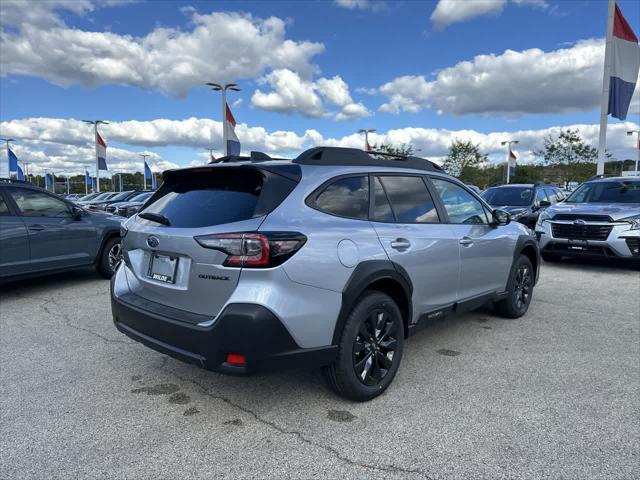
column 511, row 162
column 625, row 62
column 233, row 144
column 101, row 152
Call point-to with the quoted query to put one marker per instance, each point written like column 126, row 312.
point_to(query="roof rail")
column 602, row 175
column 357, row 157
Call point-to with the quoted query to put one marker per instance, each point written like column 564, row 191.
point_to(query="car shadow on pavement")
column 599, row 264
column 46, row 282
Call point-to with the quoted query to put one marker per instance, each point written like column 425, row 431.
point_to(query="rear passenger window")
column 410, row 199
column 461, row 206
column 345, row 197
column 4, row 210
column 381, row 207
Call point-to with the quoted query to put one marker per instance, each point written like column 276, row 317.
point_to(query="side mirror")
column 500, row 217
column 544, row 204
column 76, row 213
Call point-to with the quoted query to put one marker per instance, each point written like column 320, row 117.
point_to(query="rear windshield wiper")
column 155, row 217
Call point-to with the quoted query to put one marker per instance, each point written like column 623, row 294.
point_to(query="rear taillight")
column 254, row 250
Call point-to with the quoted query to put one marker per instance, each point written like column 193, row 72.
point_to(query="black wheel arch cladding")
column 367, row 274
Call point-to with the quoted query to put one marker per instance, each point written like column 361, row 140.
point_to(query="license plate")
column 163, row 268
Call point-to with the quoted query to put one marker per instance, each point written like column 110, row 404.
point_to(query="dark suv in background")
column 43, row 233
column 523, row 202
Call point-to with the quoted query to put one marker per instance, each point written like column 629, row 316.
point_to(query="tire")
column 519, row 290
column 110, row 257
column 550, row 257
column 363, row 369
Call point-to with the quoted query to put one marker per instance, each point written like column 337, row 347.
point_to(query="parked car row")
column 124, row 203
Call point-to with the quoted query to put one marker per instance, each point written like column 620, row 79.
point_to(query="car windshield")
column 619, row 191
column 141, row 197
column 87, row 197
column 103, row 196
column 120, row 196
column 511, row 196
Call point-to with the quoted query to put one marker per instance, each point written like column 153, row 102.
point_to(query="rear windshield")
column 213, row 196
column 509, row 196
column 120, row 196
column 607, row 192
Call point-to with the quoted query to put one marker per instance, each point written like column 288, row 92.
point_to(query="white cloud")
column 221, row 46
column 293, row 94
column 511, row 84
column 65, row 145
column 374, row 5
column 448, row 12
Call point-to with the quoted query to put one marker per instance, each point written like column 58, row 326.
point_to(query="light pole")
column 211, row 157
column 366, row 131
column 144, row 169
column 95, row 124
column 218, row 87
column 637, row 132
column 509, row 153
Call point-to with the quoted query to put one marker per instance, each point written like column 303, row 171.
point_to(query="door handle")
column 36, row 228
column 400, row 244
column 466, row 241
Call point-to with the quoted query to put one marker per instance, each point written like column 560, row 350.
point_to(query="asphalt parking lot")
column 555, row 394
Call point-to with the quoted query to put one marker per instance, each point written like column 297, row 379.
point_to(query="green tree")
column 566, row 154
column 403, row 150
column 464, row 160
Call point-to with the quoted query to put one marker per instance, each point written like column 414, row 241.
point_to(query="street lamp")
column 216, row 87
column 366, row 131
column 509, row 153
column 95, row 124
column 637, row 132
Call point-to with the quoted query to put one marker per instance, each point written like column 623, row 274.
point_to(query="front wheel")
column 110, row 257
column 519, row 289
column 370, row 349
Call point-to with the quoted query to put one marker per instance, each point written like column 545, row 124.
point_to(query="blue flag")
column 93, row 184
column 154, row 186
column 48, row 180
column 20, row 173
column 147, row 171
column 87, row 177
column 13, row 161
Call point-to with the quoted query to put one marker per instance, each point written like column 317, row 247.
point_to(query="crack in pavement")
column 333, row 451
column 67, row 320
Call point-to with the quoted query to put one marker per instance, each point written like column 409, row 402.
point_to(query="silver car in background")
column 601, row 218
column 329, row 260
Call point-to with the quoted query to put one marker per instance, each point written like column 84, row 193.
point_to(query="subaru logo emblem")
column 153, row 241
column 579, row 222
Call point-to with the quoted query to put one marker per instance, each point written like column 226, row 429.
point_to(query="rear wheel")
column 110, row 257
column 519, row 289
column 370, row 349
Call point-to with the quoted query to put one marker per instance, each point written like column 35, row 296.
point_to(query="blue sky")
column 366, row 44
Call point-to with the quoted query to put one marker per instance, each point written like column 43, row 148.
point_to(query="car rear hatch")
column 166, row 264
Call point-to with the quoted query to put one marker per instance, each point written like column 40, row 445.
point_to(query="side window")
column 381, row 207
column 540, row 196
column 345, row 197
column 4, row 210
column 410, row 199
column 461, row 206
column 32, row 203
column 551, row 194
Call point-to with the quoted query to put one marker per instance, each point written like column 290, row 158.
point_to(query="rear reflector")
column 236, row 359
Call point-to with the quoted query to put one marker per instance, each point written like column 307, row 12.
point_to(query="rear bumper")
column 245, row 329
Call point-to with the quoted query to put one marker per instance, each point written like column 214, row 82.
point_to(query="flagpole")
column 144, row 169
column 606, row 79
column 86, row 185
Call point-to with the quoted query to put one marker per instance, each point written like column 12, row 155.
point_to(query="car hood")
column 100, row 217
column 509, row 208
column 616, row 211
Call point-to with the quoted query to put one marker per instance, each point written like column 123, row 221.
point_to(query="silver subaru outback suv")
column 332, row 259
